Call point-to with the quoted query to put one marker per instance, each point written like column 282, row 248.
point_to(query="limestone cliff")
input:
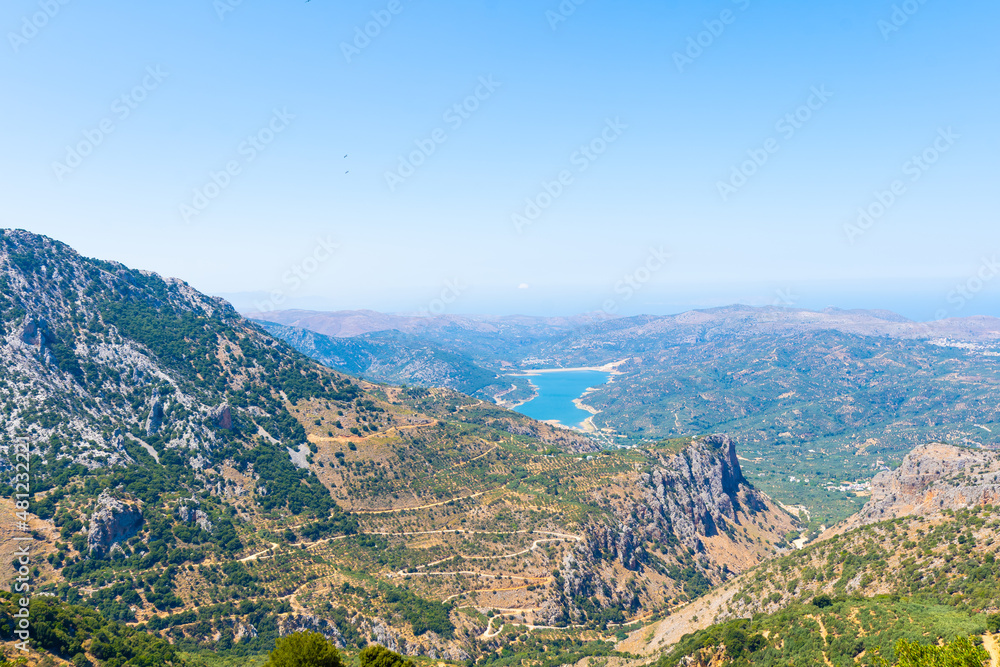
column 686, row 520
column 932, row 478
column 685, row 498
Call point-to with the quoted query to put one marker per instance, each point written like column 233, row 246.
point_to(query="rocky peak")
column 932, row 478
column 700, row 489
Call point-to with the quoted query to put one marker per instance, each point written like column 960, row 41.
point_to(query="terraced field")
column 490, row 537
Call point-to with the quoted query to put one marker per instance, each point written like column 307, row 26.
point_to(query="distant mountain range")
column 346, row 323
column 729, row 319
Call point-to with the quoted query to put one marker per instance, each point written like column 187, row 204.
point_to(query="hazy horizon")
column 546, row 158
column 920, row 301
column 913, row 307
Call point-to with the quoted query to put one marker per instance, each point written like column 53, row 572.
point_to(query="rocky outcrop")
column 388, row 638
column 112, row 522
column 689, row 515
column 932, row 478
column 201, row 519
column 688, row 496
column 520, row 429
column 385, row 636
column 222, row 417
column 118, row 453
column 155, row 419
column 243, row 631
column 196, row 516
column 548, row 613
column 34, row 332
column 698, row 490
column 455, row 654
column 622, row 542
column 288, row 625
column 37, row 336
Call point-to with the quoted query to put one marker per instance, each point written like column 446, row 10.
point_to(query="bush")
column 822, row 601
column 304, row 649
column 380, row 656
column 959, row 653
column 993, row 623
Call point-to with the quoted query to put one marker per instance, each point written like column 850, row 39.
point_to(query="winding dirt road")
column 990, row 644
column 419, row 507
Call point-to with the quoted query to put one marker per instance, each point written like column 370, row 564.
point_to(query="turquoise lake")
column 556, row 392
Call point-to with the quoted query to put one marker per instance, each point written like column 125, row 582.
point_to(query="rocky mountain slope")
column 392, row 357
column 103, row 366
column 696, row 498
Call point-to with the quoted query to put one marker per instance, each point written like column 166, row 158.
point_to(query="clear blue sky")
column 681, row 118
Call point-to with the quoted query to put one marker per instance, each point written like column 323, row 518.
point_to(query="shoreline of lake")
column 563, row 400
column 610, row 367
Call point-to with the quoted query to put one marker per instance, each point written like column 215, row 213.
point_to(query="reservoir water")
column 556, row 391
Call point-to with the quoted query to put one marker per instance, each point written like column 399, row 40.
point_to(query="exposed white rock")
column 112, row 521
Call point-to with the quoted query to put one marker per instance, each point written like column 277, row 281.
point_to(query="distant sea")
column 556, row 392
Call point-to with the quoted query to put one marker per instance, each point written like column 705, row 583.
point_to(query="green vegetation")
column 422, row 615
column 379, row 656
column 960, row 653
column 543, row 650
column 298, row 489
column 950, row 561
column 304, row 649
column 68, row 630
column 845, row 632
